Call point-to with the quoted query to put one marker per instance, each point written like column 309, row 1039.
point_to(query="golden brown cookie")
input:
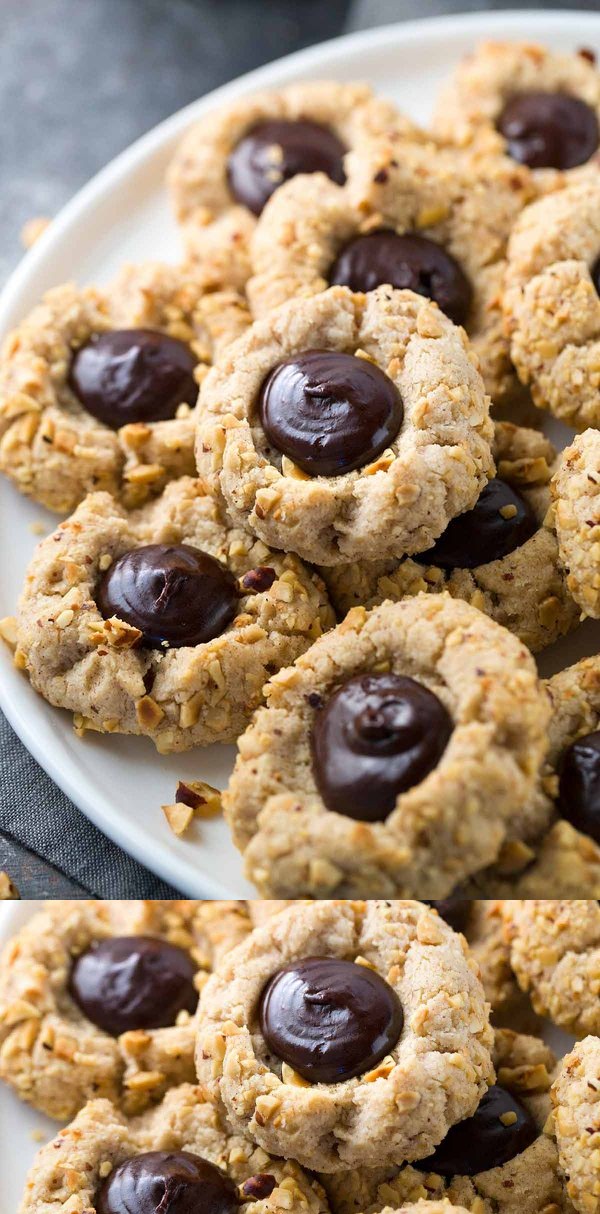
column 551, row 302
column 53, row 1054
column 56, row 450
column 539, row 107
column 528, row 1180
column 301, row 836
column 101, row 1148
column 420, row 1063
column 234, row 158
column 105, row 628
column 576, row 1099
column 576, row 492
column 433, row 220
column 387, row 480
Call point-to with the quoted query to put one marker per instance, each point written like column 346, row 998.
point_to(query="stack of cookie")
column 318, row 417
column 346, row 1061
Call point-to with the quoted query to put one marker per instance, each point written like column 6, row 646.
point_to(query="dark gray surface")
column 79, row 80
column 366, row 13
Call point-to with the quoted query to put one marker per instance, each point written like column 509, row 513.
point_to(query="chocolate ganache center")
column 174, row 593
column 549, row 130
column 500, row 1129
column 276, row 150
column 407, row 261
column 133, row 375
column 133, row 982
column 329, row 1019
column 329, row 412
column 377, row 736
column 167, row 1182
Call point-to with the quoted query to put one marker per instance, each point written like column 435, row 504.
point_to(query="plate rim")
column 124, row 832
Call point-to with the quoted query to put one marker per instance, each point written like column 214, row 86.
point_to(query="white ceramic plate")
column 22, row 1130
column 120, row 783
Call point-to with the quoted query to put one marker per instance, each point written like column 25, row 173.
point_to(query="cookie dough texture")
column 50, row 446
column 69, row 1171
column 576, row 1098
column 563, row 862
column 50, row 1053
column 180, row 697
column 555, row 953
column 465, row 203
column 470, row 104
column 486, row 937
column 402, row 501
column 551, row 305
column 216, row 229
column 530, row 1183
column 576, row 491
column 434, row 1076
column 525, row 591
column 449, row 825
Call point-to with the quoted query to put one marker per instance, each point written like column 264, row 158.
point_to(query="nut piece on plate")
column 8, row 889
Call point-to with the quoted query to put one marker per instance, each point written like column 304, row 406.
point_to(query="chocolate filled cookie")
column 179, row 1158
column 502, row 556
column 551, row 300
column 232, row 161
column 539, row 107
column 416, row 217
column 98, row 387
column 501, row 1159
column 314, row 1031
column 576, row 1099
column 165, row 621
column 392, row 758
column 347, row 425
column 98, row 998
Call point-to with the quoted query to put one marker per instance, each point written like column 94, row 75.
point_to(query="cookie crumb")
column 33, row 229
column 258, row 1188
column 203, row 799
column 8, row 630
column 179, row 817
column 8, row 889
